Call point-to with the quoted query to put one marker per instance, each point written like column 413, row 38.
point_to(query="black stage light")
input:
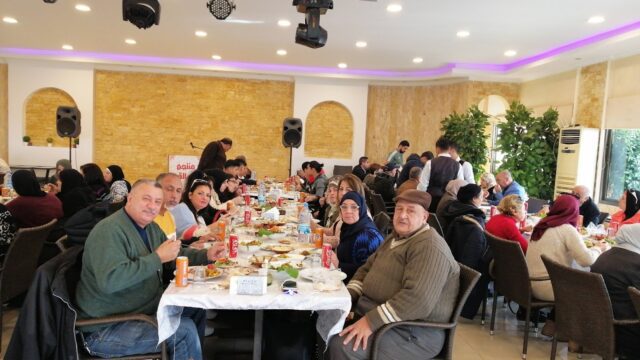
column 221, row 9
column 310, row 33
column 141, row 13
column 50, row 1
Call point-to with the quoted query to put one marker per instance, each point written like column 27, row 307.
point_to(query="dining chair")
column 634, row 294
column 511, row 279
column 535, row 205
column 583, row 310
column 434, row 222
column 377, row 204
column 382, row 221
column 21, row 262
column 468, row 279
column 603, row 217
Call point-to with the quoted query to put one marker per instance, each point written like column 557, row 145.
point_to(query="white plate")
column 276, row 236
column 322, row 275
column 288, row 257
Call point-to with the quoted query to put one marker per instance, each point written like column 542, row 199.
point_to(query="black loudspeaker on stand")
column 68, row 123
column 291, row 136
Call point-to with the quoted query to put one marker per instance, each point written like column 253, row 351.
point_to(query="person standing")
column 467, row 169
column 438, row 172
column 213, row 156
column 360, row 170
column 395, row 157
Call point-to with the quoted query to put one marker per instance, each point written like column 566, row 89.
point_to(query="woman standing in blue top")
column 359, row 237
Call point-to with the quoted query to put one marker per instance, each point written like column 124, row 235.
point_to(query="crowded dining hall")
column 319, row 179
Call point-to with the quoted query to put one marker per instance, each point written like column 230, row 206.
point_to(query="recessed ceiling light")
column 216, row 57
column 281, row 52
column 67, row 47
column 130, row 41
column 342, row 65
column 9, row 20
column 510, row 53
column 595, row 20
column 361, row 44
column 284, row 23
column 83, row 7
column 394, row 8
column 463, row 34
column 417, row 60
column 200, row 33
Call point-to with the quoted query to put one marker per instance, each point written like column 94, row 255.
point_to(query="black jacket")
column 46, row 325
column 359, row 172
column 384, row 185
column 412, row 161
column 455, row 209
column 590, row 213
column 81, row 223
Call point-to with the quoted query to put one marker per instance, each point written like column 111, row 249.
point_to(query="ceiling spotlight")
column 361, row 44
column 342, row 65
column 418, row 60
column 67, row 47
column 130, row 41
column 463, row 34
column 141, row 13
column 9, row 20
column 510, row 53
column 200, row 33
column 281, row 52
column 83, row 7
column 310, row 33
column 284, row 23
column 50, row 1
column 595, row 20
column 221, row 9
column 216, row 57
column 394, row 8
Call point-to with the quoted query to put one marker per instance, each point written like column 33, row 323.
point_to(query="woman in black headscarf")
column 33, row 207
column 74, row 193
column 359, row 237
column 94, row 178
column 118, row 186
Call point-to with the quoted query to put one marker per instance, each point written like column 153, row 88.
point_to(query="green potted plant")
column 468, row 130
column 76, row 142
column 26, row 140
column 49, row 141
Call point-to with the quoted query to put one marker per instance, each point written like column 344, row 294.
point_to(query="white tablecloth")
column 332, row 307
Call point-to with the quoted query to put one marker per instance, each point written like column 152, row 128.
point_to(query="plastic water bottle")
column 304, row 225
column 7, row 181
column 261, row 196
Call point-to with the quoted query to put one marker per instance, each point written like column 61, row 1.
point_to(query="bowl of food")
column 281, row 249
column 258, row 260
column 250, row 245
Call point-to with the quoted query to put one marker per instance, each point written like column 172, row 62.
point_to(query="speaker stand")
column 290, row 158
column 69, row 149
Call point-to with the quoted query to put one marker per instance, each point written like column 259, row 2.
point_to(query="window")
column 622, row 160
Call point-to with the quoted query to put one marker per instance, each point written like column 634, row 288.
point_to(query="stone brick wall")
column 4, row 112
column 479, row 90
column 142, row 118
column 591, row 95
column 328, row 131
column 40, row 116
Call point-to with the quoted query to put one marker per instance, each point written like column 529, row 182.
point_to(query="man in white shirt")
column 442, row 149
column 467, row 169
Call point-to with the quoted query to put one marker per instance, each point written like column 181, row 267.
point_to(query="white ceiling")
column 424, row 28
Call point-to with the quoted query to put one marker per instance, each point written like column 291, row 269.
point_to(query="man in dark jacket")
column 384, row 184
column 213, row 156
column 360, row 170
column 588, row 209
column 412, row 161
column 468, row 244
column 438, row 172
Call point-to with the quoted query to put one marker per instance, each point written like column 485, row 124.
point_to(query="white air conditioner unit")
column 577, row 157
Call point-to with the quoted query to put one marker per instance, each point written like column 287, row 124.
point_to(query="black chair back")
column 601, row 219
column 341, row 170
column 377, row 204
column 634, row 294
column 382, row 221
column 510, row 269
column 535, row 205
column 583, row 308
column 434, row 222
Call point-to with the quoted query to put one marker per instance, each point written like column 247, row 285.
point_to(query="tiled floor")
column 472, row 341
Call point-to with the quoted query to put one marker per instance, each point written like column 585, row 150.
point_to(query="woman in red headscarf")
column 556, row 237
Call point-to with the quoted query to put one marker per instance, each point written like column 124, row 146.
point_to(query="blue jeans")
column 136, row 337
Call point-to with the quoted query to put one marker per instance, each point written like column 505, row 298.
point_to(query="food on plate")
column 281, row 249
column 241, row 271
column 251, row 243
column 259, row 260
column 305, row 252
column 224, row 262
column 598, row 237
column 289, row 268
column 201, row 231
column 263, row 232
column 276, row 229
column 212, row 271
column 285, row 241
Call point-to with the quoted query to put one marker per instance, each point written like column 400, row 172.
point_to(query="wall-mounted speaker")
column 292, row 132
column 68, row 121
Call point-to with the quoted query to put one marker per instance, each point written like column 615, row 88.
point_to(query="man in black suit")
column 360, row 170
column 588, row 209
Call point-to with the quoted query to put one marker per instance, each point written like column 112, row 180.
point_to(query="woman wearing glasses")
column 359, row 237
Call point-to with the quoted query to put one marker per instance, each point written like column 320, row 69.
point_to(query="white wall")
column 350, row 93
column 27, row 76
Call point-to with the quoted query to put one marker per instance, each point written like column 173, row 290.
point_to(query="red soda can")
column 244, row 188
column 326, row 255
column 247, row 217
column 233, row 246
column 182, row 271
column 493, row 211
column 247, row 199
column 280, row 201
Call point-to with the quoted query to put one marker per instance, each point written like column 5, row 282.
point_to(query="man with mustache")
column 122, row 274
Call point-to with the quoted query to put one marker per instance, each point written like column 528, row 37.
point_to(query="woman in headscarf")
column 450, row 195
column 330, row 211
column 74, row 193
column 118, row 186
column 556, row 237
column 359, row 237
column 620, row 268
column 629, row 205
column 94, row 178
column 33, row 207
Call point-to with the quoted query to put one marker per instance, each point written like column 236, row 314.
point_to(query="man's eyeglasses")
column 349, row 207
column 198, row 182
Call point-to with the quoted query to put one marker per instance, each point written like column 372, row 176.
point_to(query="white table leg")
column 257, row 335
